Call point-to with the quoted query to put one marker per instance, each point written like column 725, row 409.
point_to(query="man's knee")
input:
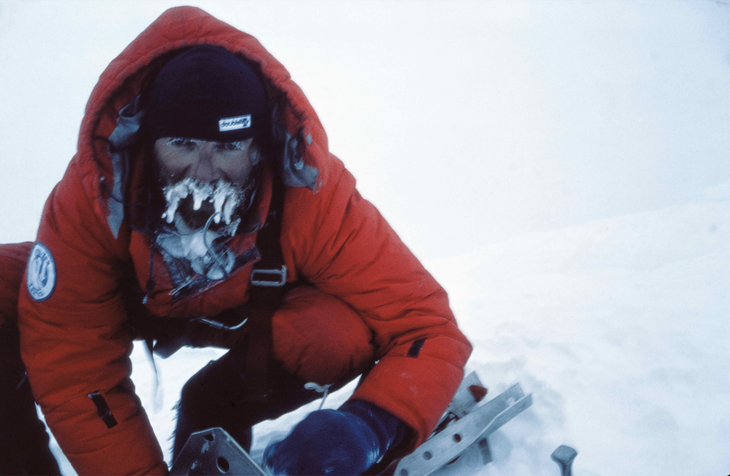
column 220, row 380
column 319, row 338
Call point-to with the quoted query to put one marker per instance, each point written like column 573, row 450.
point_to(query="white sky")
column 465, row 122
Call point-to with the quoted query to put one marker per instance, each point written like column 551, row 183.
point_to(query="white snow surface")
column 560, row 167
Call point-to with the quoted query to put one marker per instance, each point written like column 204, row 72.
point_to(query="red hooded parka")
column 74, row 334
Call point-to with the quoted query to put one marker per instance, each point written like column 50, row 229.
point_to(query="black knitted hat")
column 206, row 93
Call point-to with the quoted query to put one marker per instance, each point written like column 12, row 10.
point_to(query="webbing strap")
column 265, row 296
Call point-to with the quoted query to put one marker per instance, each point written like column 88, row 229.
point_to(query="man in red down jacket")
column 203, row 207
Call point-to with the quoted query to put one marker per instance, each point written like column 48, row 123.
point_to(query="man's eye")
column 181, row 142
column 230, row 146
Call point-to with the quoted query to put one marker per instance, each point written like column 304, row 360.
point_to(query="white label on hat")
column 234, row 123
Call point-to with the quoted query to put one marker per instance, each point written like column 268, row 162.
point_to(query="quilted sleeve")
column 75, row 343
column 342, row 244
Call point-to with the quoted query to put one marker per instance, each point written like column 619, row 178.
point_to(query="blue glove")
column 347, row 441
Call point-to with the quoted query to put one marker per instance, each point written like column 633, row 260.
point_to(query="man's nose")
column 203, row 167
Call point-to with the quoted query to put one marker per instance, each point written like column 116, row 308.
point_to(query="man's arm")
column 349, row 251
column 75, row 343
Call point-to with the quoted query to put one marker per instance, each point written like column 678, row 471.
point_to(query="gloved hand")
column 340, row 442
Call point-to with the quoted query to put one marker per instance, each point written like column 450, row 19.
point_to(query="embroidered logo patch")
column 234, row 123
column 41, row 276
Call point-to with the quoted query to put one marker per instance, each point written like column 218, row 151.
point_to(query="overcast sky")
column 465, row 122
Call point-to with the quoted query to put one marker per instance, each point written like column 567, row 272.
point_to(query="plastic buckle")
column 269, row 277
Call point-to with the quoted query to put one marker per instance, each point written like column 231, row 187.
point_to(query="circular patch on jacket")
column 41, row 275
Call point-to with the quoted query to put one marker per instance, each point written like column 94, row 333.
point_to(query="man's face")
column 180, row 158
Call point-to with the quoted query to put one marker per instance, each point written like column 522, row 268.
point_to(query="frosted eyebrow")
column 237, row 145
column 183, row 139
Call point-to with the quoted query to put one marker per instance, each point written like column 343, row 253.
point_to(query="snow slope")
column 619, row 328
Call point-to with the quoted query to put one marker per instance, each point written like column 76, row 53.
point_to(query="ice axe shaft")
column 564, row 456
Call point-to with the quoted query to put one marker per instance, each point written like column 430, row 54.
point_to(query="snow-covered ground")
column 561, row 167
column 619, row 329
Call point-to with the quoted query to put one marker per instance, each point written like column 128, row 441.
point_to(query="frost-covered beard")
column 196, row 202
column 199, row 213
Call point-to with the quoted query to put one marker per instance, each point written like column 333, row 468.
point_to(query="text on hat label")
column 234, row 123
